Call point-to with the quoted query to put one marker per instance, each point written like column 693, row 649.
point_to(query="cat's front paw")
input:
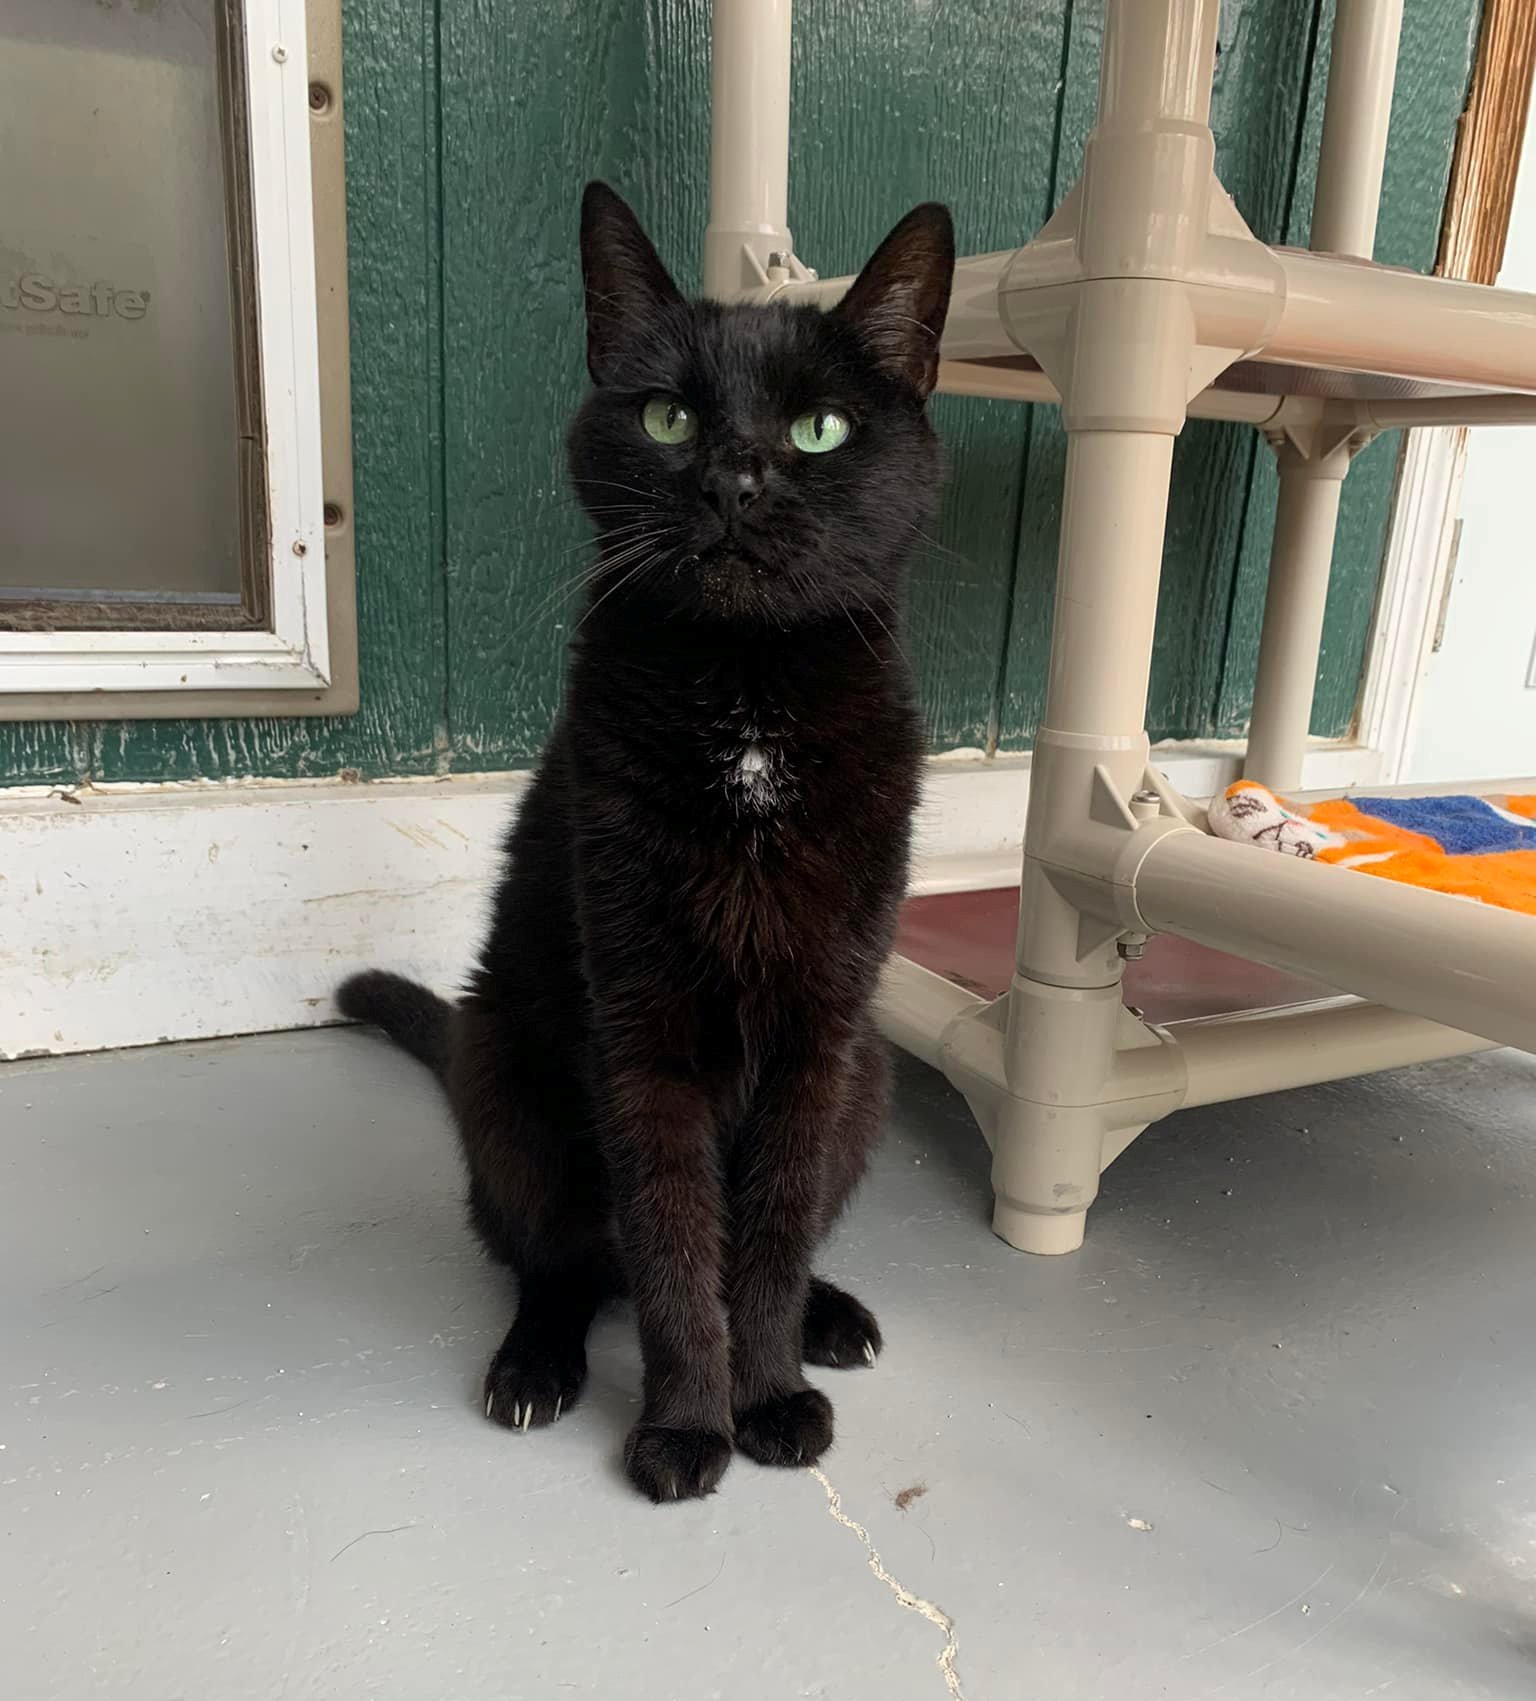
column 787, row 1429
column 839, row 1331
column 529, row 1385
column 675, row 1464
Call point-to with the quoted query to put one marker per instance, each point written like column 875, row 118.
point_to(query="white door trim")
column 1413, row 576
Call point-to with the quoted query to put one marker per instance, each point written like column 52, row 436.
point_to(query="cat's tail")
column 413, row 1016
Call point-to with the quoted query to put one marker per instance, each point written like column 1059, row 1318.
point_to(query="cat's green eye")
column 816, row 433
column 668, row 420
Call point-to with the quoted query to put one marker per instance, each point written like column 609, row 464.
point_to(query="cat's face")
column 760, row 464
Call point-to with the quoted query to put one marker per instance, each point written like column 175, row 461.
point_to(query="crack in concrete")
column 950, row 1652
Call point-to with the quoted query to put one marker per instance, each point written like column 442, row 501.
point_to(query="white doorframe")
column 1475, row 703
column 1420, row 540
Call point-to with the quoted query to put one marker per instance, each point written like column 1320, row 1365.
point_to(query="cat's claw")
column 675, row 1464
column 527, row 1390
column 786, row 1429
column 838, row 1330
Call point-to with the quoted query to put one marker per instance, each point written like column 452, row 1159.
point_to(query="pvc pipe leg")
column 749, row 144
column 1300, row 559
column 1065, row 1006
column 1045, row 1174
column 1027, row 1231
column 1362, row 66
column 1124, row 372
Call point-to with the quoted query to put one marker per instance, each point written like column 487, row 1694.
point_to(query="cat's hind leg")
column 538, row 1201
column 539, row 1369
column 840, row 1332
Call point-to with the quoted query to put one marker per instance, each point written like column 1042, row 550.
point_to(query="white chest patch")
column 756, row 776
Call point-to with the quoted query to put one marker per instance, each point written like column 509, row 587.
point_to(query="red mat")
column 968, row 938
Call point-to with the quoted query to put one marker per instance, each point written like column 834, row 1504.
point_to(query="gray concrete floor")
column 1270, row 1434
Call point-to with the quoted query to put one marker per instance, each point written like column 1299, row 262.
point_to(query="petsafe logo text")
column 36, row 292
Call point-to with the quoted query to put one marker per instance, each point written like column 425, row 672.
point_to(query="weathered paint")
column 470, row 124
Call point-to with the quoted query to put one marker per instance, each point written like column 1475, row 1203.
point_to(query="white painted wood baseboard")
column 138, row 914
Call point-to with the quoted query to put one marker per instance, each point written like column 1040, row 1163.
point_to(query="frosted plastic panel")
column 120, row 456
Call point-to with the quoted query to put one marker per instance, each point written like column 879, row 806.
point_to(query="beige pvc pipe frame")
column 1139, row 292
column 1313, row 461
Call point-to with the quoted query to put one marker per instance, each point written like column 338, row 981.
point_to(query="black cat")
column 664, row 1072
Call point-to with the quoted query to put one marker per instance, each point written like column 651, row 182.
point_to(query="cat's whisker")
column 603, row 539
column 600, row 511
column 639, row 568
column 612, row 562
column 606, row 509
column 600, row 538
column 927, row 640
column 863, row 636
column 613, row 484
column 607, row 560
column 612, row 557
column 567, row 587
column 927, row 537
column 875, row 615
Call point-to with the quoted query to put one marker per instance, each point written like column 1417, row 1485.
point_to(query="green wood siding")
column 471, row 125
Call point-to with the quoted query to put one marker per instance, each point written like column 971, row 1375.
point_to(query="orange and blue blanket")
column 1482, row 848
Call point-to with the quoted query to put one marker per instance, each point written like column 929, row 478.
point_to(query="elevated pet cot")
column 1144, row 300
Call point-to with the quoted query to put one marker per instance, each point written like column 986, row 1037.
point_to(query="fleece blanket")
column 1481, row 848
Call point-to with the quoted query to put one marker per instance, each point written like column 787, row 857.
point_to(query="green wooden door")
column 471, row 125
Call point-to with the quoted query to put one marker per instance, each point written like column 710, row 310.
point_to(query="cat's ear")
column 626, row 283
column 898, row 302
